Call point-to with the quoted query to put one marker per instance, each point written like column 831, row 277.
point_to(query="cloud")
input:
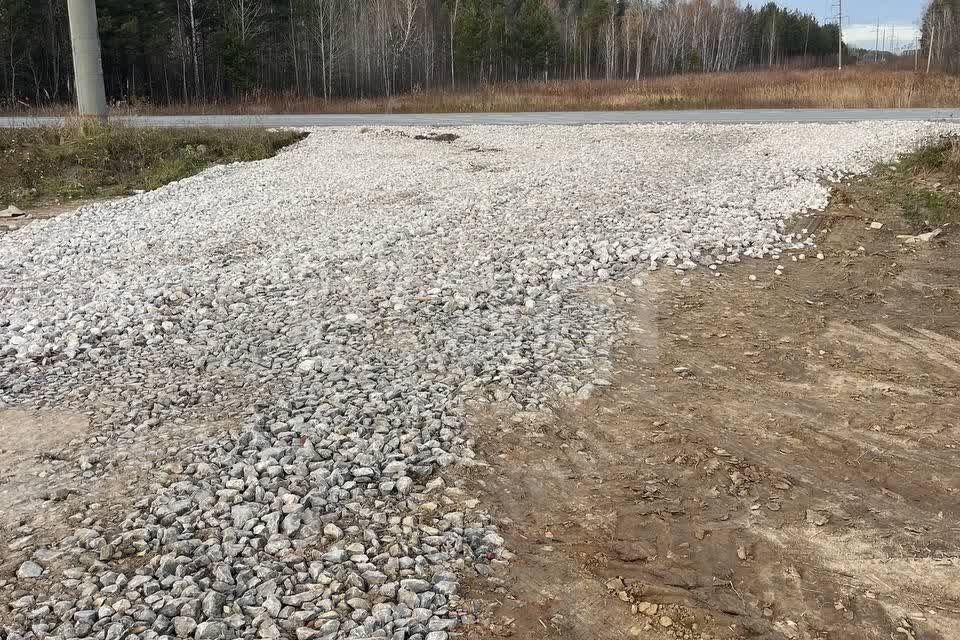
column 865, row 35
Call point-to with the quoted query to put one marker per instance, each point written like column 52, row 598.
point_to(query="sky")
column 860, row 19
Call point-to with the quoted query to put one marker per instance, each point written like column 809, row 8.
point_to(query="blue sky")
column 860, row 26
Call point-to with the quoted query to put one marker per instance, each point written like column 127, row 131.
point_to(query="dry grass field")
column 827, row 88
column 854, row 88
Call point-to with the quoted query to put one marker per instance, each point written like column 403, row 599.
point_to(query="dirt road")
column 774, row 458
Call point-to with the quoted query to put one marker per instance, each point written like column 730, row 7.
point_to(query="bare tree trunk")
column 773, row 37
column 453, row 31
column 54, row 51
column 322, row 21
column 183, row 52
column 293, row 49
column 13, row 72
column 331, row 44
column 196, row 58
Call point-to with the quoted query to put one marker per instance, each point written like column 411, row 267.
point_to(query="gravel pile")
column 344, row 299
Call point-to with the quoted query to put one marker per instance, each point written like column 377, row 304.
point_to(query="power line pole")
column 876, row 46
column 839, row 6
column 87, row 65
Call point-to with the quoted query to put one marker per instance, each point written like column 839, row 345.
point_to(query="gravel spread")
column 340, row 303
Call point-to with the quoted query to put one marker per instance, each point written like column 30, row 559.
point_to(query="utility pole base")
column 87, row 65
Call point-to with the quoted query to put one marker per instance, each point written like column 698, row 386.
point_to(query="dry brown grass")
column 856, row 87
column 953, row 156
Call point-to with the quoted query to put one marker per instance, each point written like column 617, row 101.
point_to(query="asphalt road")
column 565, row 118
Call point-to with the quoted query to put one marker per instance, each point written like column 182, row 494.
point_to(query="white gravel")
column 344, row 298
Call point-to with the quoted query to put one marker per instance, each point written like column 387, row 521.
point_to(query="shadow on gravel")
column 438, row 137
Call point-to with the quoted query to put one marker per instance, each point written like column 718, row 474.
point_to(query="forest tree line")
column 167, row 51
column 941, row 34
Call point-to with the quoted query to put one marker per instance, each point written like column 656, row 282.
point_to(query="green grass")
column 925, row 207
column 56, row 164
column 925, row 183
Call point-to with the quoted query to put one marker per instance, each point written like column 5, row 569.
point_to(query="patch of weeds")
column 923, row 207
column 943, row 155
column 48, row 164
column 929, row 158
column 952, row 157
column 923, row 187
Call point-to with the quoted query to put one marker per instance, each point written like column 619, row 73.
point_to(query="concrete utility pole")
column 87, row 66
column 840, row 30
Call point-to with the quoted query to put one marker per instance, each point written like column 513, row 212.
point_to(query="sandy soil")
column 773, row 459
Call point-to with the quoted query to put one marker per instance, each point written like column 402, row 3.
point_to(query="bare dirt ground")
column 33, row 438
column 42, row 212
column 773, row 459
